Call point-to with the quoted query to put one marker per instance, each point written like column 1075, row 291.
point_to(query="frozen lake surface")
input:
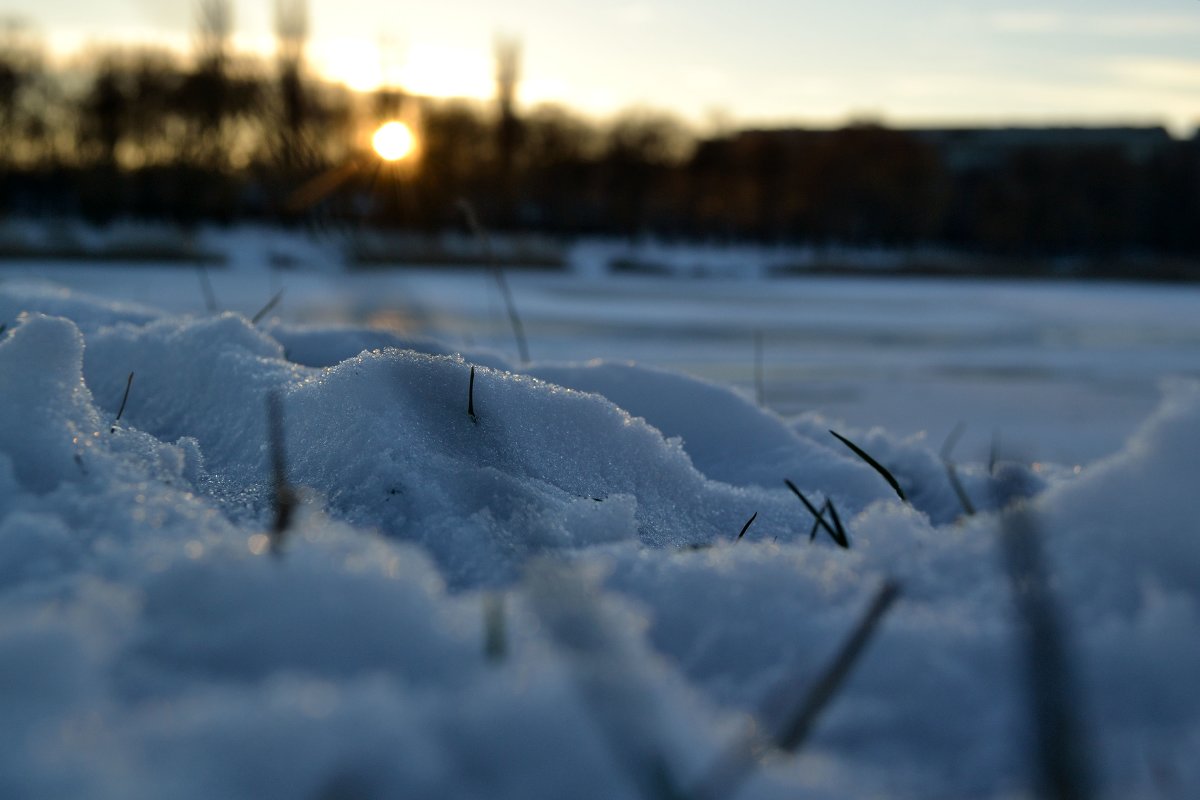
column 1064, row 371
column 1058, row 371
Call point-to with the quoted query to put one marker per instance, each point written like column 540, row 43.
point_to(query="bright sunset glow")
column 436, row 70
column 393, row 141
column 447, row 71
column 353, row 62
column 921, row 63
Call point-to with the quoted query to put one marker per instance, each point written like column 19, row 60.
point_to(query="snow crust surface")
column 152, row 646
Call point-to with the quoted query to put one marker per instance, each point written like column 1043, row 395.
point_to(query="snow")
column 151, row 645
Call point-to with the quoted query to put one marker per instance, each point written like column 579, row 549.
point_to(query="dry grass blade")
column 210, row 299
column 481, row 235
column 601, row 659
column 262, row 312
column 1054, row 708
column 839, row 532
column 952, row 472
column 513, row 317
column 124, row 400
column 284, row 497
column 800, row 714
column 760, row 390
column 952, row 439
column 818, row 516
column 797, row 727
column 495, row 635
column 471, row 398
column 812, row 533
column 880, row 468
column 746, row 527
column 963, row 498
column 841, row 538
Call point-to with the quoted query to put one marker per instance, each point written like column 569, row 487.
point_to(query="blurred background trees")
column 221, row 136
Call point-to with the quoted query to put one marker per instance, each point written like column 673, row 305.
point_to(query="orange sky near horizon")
column 765, row 62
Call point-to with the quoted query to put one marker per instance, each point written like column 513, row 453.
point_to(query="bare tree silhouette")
column 214, row 29
column 507, row 51
column 205, row 93
column 25, row 97
column 291, row 36
column 104, row 110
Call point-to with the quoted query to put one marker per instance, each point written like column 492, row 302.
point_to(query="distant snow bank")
column 150, row 646
column 334, row 250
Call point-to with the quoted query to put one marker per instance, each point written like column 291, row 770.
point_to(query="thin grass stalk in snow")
column 471, row 398
column 284, row 497
column 468, row 212
column 837, row 524
column 735, row 765
column 837, row 536
column 760, row 391
column 618, row 700
column 964, row 499
column 495, row 632
column 816, row 526
column 843, row 539
column 746, row 527
column 262, row 312
column 797, row 727
column 513, row 317
column 952, row 472
column 210, row 298
column 880, row 468
column 124, row 400
column 1061, row 747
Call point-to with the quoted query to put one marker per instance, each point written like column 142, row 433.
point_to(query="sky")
column 750, row 62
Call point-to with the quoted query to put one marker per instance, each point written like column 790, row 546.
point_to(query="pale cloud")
column 706, row 78
column 66, row 43
column 354, row 62
column 918, row 86
column 427, row 68
column 1136, row 94
column 445, row 70
column 636, row 14
column 549, row 88
column 1146, row 24
column 1173, row 73
column 972, row 97
column 1108, row 25
column 1027, row 21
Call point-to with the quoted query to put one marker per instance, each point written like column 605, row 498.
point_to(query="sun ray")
column 319, row 187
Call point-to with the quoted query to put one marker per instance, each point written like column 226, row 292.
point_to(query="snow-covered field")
column 549, row 599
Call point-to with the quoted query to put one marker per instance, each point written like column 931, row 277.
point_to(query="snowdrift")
column 547, row 599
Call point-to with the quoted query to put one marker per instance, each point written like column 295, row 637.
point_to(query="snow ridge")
column 151, row 646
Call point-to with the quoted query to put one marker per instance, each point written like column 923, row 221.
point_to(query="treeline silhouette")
column 221, row 137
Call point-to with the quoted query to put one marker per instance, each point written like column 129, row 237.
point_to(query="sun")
column 394, row 141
